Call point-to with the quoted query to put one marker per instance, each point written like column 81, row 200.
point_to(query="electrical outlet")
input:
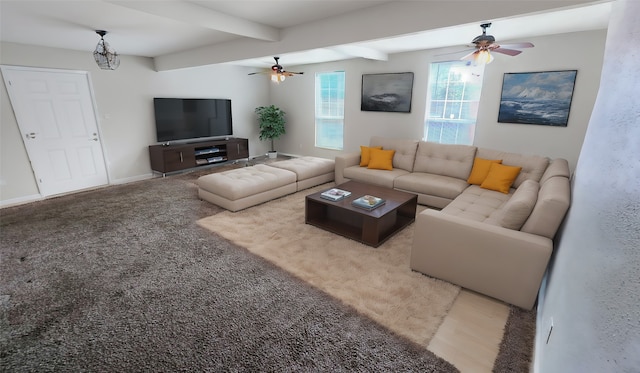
column 550, row 330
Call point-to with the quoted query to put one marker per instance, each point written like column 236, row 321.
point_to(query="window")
column 452, row 102
column 330, row 110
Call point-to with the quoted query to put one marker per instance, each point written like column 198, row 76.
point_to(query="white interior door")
column 56, row 116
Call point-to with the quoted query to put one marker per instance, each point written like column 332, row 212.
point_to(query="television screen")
column 192, row 118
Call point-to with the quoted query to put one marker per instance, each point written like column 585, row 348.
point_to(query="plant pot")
column 272, row 154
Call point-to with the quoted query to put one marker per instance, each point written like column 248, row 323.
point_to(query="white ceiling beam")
column 193, row 14
column 400, row 18
column 363, row 52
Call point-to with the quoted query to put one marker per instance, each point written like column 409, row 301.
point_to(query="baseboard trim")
column 132, row 179
column 38, row 197
column 21, row 200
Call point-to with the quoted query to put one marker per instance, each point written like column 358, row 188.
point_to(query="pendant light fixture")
column 277, row 77
column 105, row 56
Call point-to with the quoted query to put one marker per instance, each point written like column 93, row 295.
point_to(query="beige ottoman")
column 245, row 187
column 310, row 171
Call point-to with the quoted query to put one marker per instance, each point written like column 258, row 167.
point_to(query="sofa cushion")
column 518, row 208
column 445, row 159
column 480, row 170
column 431, row 184
column 557, row 167
column 381, row 159
column 533, row 166
column 500, row 177
column 405, row 150
column 553, row 202
column 365, row 155
column 370, row 176
column 478, row 204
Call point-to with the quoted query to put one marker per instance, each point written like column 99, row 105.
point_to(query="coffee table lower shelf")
column 372, row 237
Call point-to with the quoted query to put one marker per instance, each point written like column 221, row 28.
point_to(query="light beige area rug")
column 376, row 281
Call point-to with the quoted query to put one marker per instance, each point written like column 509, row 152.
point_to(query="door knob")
column 31, row 135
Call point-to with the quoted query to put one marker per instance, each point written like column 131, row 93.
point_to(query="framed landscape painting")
column 542, row 98
column 387, row 92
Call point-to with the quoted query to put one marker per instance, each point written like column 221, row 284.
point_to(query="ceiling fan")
column 278, row 73
column 485, row 44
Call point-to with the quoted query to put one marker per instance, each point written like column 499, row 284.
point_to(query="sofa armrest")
column 343, row 161
column 502, row 263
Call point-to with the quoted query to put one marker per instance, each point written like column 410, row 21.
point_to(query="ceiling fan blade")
column 517, row 45
column 291, row 73
column 510, row 52
column 260, row 72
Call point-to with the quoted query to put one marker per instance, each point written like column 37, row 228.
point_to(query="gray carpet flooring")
column 121, row 279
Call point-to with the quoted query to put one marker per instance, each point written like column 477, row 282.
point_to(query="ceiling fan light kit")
column 277, row 78
column 277, row 72
column 482, row 57
column 105, row 56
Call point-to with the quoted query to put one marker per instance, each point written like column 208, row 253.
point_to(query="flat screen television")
column 183, row 119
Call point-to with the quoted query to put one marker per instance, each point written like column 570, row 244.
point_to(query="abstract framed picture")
column 542, row 98
column 387, row 92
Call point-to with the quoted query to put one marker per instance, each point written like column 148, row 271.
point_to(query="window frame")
column 453, row 126
column 331, row 110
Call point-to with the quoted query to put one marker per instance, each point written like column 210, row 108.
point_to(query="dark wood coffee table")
column 371, row 227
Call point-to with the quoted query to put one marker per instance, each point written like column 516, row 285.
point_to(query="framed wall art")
column 542, row 98
column 387, row 92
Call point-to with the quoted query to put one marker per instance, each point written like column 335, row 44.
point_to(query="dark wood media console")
column 178, row 157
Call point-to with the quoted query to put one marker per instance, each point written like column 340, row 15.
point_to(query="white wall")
column 124, row 100
column 575, row 51
column 593, row 289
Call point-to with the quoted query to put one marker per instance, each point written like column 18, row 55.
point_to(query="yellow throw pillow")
column 480, row 170
column 365, row 154
column 500, row 177
column 381, row 159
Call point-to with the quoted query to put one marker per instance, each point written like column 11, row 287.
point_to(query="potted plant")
column 271, row 120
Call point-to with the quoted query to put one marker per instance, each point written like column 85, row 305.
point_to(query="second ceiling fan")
column 485, row 44
column 278, row 73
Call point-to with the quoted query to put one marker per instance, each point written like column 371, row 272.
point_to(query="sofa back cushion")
column 533, row 166
column 554, row 198
column 405, row 150
column 557, row 167
column 445, row 159
column 518, row 208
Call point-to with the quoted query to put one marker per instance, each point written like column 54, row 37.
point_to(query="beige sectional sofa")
column 492, row 242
